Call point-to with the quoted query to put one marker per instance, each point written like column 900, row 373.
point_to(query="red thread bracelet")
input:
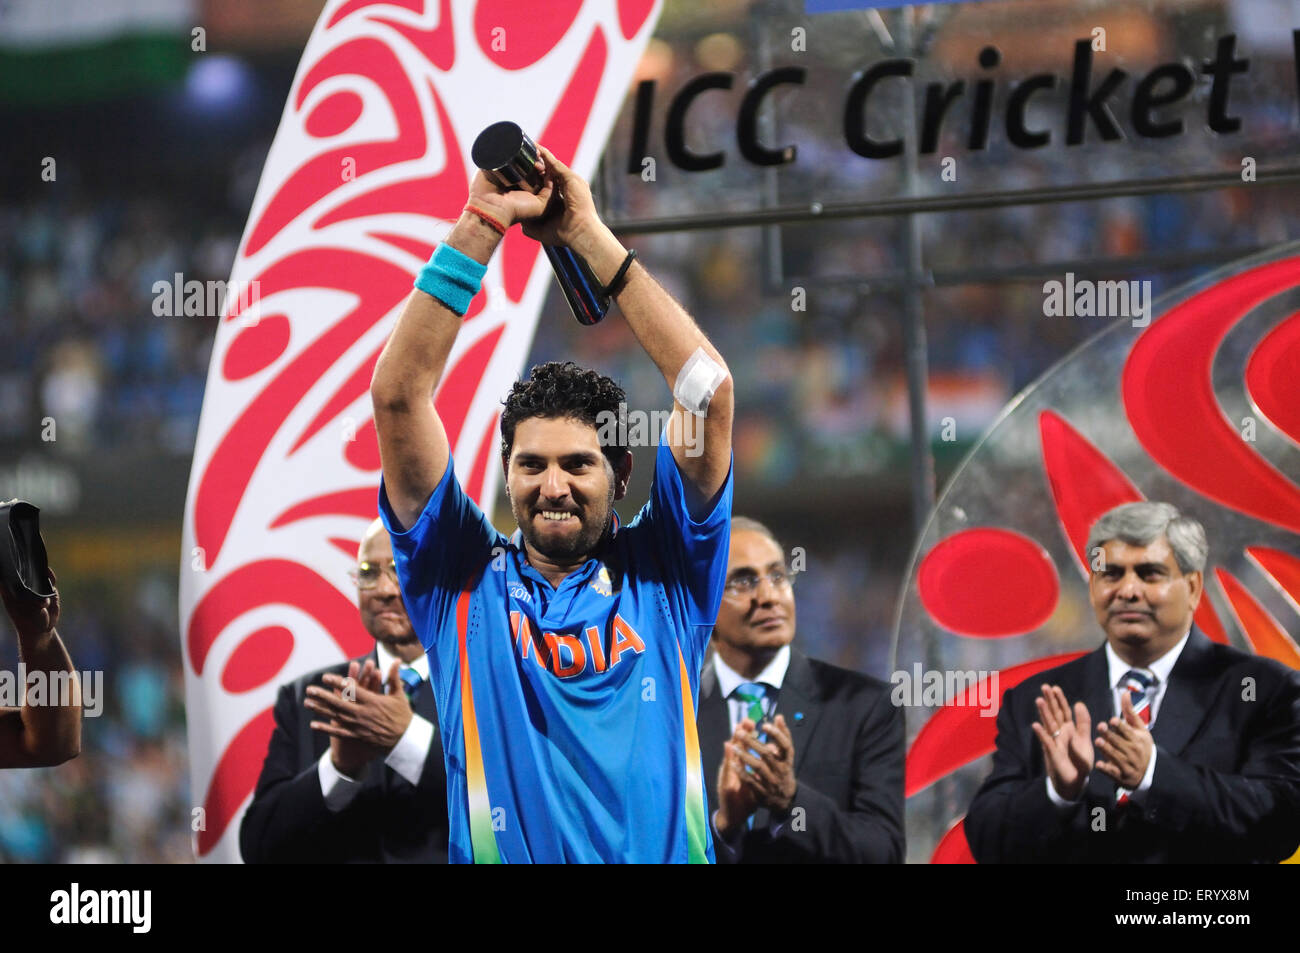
column 487, row 219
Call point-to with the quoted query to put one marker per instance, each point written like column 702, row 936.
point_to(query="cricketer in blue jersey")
column 565, row 658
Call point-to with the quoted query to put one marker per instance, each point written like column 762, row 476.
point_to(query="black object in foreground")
column 24, row 566
column 508, row 158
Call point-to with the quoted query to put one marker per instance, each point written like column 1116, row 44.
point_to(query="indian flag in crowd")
column 54, row 51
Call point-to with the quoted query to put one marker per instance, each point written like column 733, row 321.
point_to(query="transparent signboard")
column 1197, row 407
column 743, row 106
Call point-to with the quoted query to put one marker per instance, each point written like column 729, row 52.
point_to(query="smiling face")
column 561, row 487
column 753, row 626
column 1142, row 600
column 382, row 612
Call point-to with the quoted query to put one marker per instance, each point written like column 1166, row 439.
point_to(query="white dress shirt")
column 408, row 755
column 1117, row 668
column 772, row 675
column 729, row 680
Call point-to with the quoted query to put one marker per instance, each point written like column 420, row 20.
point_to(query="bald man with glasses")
column 805, row 759
column 354, row 770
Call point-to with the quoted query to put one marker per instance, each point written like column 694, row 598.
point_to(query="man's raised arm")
column 412, row 441
column 701, row 443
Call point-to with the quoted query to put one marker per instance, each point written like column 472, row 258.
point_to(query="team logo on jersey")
column 602, row 583
column 567, row 655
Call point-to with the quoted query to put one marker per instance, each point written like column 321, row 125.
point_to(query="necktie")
column 753, row 694
column 1138, row 683
column 411, row 682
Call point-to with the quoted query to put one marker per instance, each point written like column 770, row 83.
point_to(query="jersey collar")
column 581, row 575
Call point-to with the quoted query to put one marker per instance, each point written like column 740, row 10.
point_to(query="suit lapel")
column 798, row 701
column 1187, row 697
column 714, row 726
column 378, row 774
column 425, row 706
column 1100, row 699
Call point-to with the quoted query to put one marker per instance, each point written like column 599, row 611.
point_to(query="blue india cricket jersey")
column 568, row 714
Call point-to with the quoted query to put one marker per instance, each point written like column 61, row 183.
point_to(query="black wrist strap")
column 616, row 282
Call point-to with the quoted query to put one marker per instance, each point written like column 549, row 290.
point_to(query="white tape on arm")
column 697, row 381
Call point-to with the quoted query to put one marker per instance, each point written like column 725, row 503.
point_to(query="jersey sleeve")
column 445, row 550
column 698, row 549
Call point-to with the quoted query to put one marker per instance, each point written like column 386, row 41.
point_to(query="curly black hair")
column 563, row 389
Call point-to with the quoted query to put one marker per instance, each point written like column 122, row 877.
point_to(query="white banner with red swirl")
column 368, row 168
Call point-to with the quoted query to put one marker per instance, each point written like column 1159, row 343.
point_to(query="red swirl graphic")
column 1084, row 483
column 271, row 582
column 962, row 580
column 1170, row 400
column 953, row 847
column 335, row 115
column 632, row 15
column 960, row 732
column 1282, row 568
column 352, row 6
column 1265, row 634
column 515, row 35
column 438, row 45
column 322, row 174
column 362, row 502
column 257, row 348
column 234, row 778
column 1271, row 373
column 441, row 195
column 257, row 659
column 378, row 287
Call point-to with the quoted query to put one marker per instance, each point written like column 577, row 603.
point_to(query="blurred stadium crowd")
column 820, row 394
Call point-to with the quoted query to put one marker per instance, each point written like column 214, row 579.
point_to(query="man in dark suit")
column 822, row 780
column 358, row 776
column 1197, row 750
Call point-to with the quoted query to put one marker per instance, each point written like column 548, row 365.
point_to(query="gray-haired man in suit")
column 807, row 757
column 1160, row 746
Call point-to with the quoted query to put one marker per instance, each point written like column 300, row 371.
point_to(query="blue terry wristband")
column 452, row 277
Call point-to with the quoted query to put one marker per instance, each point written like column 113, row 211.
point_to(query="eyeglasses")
column 746, row 584
column 366, row 575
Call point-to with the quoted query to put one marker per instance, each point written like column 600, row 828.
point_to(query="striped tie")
column 1138, row 683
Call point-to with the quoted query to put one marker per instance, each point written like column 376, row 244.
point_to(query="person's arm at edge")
column 37, row 736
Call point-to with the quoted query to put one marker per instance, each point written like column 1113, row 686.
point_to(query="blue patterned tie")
column 753, row 694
